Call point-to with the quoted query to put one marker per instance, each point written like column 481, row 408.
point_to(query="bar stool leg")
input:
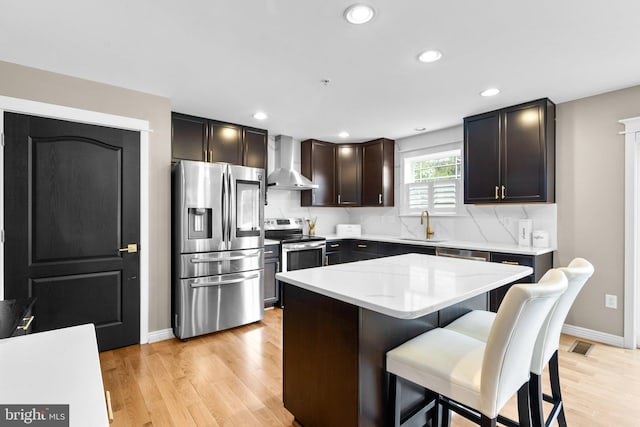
column 535, row 399
column 524, row 418
column 554, row 376
column 486, row 421
column 394, row 400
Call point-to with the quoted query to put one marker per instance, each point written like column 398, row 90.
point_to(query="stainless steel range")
column 297, row 249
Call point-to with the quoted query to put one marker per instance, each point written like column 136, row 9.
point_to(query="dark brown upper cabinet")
column 225, row 143
column 189, row 137
column 348, row 174
column 377, row 173
column 197, row 138
column 255, row 148
column 349, row 171
column 509, row 154
column 318, row 163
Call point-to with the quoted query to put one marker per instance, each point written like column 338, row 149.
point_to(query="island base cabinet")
column 334, row 357
column 320, row 359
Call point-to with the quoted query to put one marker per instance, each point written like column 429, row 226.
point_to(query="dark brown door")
column 524, row 153
column 319, row 165
column 482, row 158
column 225, row 143
column 348, row 166
column 377, row 173
column 188, row 137
column 72, row 200
column 255, row 148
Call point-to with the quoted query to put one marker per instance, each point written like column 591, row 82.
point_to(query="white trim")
column 42, row 109
column 592, row 335
column 161, row 335
column 631, row 228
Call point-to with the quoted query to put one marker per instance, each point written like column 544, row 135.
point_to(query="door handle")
column 131, row 248
column 380, row 198
column 503, row 188
column 224, row 282
column 496, row 192
column 26, row 325
column 230, row 258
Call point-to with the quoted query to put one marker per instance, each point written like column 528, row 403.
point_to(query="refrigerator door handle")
column 230, row 201
column 230, row 258
column 224, row 203
column 224, row 282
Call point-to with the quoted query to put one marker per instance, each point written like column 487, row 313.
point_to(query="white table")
column 340, row 320
column 55, row 367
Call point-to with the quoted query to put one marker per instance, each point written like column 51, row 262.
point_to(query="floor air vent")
column 581, row 347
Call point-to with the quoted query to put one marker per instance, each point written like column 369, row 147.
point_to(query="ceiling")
column 229, row 59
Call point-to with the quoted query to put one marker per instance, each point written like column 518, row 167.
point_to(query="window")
column 432, row 180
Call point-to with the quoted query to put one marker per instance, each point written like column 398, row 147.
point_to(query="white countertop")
column 405, row 286
column 457, row 244
column 55, row 367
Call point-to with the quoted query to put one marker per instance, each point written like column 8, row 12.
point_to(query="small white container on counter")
column 348, row 230
column 524, row 232
column 540, row 239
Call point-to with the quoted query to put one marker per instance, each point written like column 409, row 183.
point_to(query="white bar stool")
column 477, row 324
column 474, row 378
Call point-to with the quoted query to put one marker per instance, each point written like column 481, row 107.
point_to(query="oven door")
column 296, row 256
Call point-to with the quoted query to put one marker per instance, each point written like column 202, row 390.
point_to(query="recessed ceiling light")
column 343, row 134
column 420, row 129
column 490, row 92
column 359, row 13
column 260, row 115
column 430, row 56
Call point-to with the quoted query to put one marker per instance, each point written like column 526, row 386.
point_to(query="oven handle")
column 231, row 258
column 224, row 282
column 302, row 246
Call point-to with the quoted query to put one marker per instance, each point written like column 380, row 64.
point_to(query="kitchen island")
column 339, row 321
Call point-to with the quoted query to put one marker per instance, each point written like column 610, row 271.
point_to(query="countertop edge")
column 455, row 244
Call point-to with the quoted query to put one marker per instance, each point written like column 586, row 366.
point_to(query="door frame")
column 631, row 231
column 53, row 111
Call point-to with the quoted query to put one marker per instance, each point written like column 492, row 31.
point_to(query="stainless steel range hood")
column 285, row 177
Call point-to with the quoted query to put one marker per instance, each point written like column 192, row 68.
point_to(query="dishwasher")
column 479, row 302
column 463, row 254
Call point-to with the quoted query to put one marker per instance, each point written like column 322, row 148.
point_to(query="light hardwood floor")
column 234, row 378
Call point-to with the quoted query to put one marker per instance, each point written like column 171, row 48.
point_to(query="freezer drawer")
column 213, row 303
column 214, row 263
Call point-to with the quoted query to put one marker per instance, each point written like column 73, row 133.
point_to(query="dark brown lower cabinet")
column 271, row 267
column 539, row 263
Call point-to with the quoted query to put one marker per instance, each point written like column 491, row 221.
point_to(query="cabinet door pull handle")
column 277, row 266
column 338, row 199
column 335, row 245
column 362, row 246
column 511, row 262
column 211, row 155
column 497, row 192
column 268, row 252
column 380, row 198
column 503, row 189
column 326, row 260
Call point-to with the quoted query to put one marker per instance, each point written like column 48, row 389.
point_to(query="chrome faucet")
column 428, row 230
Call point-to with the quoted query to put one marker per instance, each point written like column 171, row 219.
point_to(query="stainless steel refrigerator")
column 218, row 247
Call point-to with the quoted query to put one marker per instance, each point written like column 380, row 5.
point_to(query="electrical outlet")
column 611, row 301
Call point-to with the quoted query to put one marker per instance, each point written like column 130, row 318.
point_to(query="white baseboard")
column 161, row 335
column 592, row 335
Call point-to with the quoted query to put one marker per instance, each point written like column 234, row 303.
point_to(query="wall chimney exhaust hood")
column 285, row 177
